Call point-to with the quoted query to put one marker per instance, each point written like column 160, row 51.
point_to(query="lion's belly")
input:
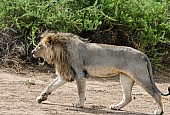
column 102, row 71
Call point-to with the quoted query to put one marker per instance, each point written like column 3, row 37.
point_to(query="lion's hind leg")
column 127, row 84
column 150, row 88
column 158, row 100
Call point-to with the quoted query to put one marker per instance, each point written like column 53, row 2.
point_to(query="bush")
column 146, row 21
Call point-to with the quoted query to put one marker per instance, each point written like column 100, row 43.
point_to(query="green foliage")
column 148, row 18
column 34, row 16
column 30, row 82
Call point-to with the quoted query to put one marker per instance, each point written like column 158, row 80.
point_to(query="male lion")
column 75, row 59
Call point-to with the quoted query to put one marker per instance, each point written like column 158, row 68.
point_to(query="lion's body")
column 107, row 60
column 75, row 59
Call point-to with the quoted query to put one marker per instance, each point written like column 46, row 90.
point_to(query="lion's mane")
column 59, row 55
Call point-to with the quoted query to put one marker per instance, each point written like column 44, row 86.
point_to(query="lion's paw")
column 157, row 112
column 78, row 105
column 114, row 107
column 41, row 98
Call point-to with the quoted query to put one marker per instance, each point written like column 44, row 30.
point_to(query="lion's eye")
column 40, row 46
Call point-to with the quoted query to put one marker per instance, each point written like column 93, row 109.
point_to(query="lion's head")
column 45, row 49
column 53, row 49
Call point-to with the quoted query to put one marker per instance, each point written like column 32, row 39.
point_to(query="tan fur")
column 75, row 59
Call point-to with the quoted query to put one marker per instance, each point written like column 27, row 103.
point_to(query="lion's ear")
column 49, row 39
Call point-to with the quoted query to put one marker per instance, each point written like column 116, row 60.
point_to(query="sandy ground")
column 18, row 95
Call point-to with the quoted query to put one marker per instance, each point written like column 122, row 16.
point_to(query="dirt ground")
column 18, row 93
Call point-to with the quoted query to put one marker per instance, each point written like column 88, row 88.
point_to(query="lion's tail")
column 151, row 77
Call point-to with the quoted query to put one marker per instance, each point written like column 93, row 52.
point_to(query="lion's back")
column 109, row 59
column 108, row 54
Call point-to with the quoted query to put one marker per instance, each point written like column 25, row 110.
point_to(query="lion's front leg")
column 59, row 81
column 43, row 96
column 81, row 85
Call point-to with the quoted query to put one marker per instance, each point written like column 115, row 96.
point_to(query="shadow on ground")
column 93, row 109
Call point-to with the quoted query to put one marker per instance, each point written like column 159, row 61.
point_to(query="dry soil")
column 18, row 93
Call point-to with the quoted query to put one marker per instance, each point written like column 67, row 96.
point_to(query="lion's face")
column 44, row 50
column 40, row 50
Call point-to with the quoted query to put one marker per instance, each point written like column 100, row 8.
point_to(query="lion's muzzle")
column 41, row 61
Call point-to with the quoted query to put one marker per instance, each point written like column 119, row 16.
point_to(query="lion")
column 76, row 59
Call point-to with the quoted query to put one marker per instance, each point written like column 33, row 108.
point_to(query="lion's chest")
column 102, row 71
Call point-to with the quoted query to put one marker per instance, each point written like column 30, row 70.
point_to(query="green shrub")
column 147, row 20
column 34, row 16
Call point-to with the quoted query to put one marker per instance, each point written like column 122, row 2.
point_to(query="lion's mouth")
column 41, row 61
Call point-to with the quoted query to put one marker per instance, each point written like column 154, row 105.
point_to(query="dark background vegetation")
column 141, row 24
